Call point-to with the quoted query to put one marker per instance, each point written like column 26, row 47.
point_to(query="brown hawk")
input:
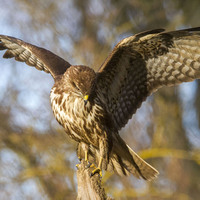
column 93, row 106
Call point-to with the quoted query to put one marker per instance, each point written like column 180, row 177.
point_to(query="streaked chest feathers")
column 80, row 121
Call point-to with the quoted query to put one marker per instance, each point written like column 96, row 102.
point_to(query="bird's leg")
column 86, row 155
column 78, row 151
column 82, row 151
column 86, row 159
column 104, row 155
column 86, row 149
column 99, row 168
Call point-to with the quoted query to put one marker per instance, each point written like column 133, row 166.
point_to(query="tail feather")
column 117, row 165
column 133, row 162
column 146, row 171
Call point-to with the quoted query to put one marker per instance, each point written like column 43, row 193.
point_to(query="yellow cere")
column 86, row 97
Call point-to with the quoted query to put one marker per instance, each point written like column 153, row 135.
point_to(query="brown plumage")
column 93, row 106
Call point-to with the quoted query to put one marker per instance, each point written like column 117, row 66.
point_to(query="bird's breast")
column 81, row 122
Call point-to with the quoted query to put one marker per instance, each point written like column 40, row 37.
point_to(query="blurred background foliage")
column 37, row 159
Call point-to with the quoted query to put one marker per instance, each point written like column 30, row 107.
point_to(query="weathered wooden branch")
column 89, row 188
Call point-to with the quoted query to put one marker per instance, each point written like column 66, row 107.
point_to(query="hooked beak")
column 85, row 99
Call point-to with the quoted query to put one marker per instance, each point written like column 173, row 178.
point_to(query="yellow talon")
column 79, row 157
column 92, row 165
column 97, row 170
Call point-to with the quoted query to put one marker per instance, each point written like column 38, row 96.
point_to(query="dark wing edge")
column 32, row 55
column 141, row 64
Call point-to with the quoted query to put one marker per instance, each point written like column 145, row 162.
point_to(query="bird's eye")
column 75, row 86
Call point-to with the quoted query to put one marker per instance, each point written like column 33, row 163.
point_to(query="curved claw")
column 92, row 166
column 88, row 164
column 77, row 166
column 79, row 158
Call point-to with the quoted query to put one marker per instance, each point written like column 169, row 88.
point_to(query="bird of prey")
column 93, row 106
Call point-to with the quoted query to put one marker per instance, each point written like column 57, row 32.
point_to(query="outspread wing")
column 141, row 64
column 38, row 57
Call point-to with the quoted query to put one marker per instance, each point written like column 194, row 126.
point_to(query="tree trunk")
column 89, row 187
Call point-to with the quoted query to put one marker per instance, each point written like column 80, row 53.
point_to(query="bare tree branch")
column 89, row 187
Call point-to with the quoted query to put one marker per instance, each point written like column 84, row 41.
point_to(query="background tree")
column 37, row 159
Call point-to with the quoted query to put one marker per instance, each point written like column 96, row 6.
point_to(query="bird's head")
column 79, row 80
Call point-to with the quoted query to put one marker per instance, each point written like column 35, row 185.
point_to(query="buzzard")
column 93, row 106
